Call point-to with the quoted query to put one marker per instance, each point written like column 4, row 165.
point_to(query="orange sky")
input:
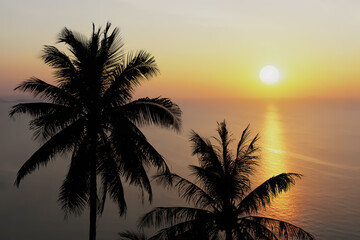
column 204, row 49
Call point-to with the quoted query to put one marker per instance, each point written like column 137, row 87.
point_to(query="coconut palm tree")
column 223, row 204
column 90, row 113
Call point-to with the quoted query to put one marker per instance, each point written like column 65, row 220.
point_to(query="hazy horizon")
column 23, row 96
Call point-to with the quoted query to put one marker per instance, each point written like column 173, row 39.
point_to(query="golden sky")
column 204, row 49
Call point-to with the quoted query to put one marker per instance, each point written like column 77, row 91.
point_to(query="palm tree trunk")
column 93, row 199
column 228, row 234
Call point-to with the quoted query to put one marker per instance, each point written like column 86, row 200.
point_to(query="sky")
column 204, row 49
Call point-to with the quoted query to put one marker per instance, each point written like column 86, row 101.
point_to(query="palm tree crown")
column 224, row 205
column 90, row 113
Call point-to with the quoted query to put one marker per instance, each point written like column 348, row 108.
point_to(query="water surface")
column 319, row 139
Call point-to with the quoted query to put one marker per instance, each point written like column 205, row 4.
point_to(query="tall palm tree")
column 224, row 206
column 90, row 112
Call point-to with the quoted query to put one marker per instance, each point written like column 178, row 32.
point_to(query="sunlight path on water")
column 273, row 162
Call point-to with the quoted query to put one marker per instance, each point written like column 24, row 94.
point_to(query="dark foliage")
column 224, row 205
column 90, row 113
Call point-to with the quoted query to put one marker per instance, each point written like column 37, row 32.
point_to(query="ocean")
column 319, row 139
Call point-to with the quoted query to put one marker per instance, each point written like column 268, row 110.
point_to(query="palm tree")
column 224, row 206
column 90, row 113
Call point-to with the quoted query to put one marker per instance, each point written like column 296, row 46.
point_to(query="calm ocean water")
column 319, row 139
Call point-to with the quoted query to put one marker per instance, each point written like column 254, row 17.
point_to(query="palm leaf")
column 187, row 190
column 61, row 142
column 158, row 111
column 224, row 141
column 110, row 174
column 168, row 216
column 254, row 230
column 212, row 182
column 128, row 74
column 77, row 44
column 125, row 130
column 133, row 159
column 129, row 235
column 65, row 70
column 187, row 230
column 47, row 91
column 49, row 118
column 36, row 109
column 110, row 49
column 74, row 192
column 47, row 126
column 263, row 194
column 207, row 155
column 243, row 141
column 283, row 229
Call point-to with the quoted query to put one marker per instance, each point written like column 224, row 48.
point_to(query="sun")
column 269, row 74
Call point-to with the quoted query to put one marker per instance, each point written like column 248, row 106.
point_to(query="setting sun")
column 269, row 74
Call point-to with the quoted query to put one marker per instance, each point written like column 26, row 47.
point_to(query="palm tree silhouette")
column 224, row 206
column 90, row 113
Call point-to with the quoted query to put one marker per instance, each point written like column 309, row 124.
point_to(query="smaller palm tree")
column 224, row 206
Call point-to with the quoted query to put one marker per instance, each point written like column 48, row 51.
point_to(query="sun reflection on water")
column 272, row 144
column 273, row 162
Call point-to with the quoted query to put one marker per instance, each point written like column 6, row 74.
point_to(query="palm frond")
column 131, row 235
column 61, row 142
column 243, row 234
column 77, row 43
column 110, row 175
column 157, row 111
column 252, row 149
column 281, row 228
column 187, row 190
column 245, row 149
column 207, row 155
column 263, row 194
column 47, row 91
column 110, row 49
column 254, row 230
column 247, row 155
column 125, row 130
column 242, row 142
column 47, row 126
column 93, row 44
column 212, row 182
column 65, row 71
column 129, row 74
column 224, row 141
column 132, row 158
column 49, row 118
column 169, row 216
column 36, row 109
column 140, row 66
column 188, row 230
column 74, row 192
